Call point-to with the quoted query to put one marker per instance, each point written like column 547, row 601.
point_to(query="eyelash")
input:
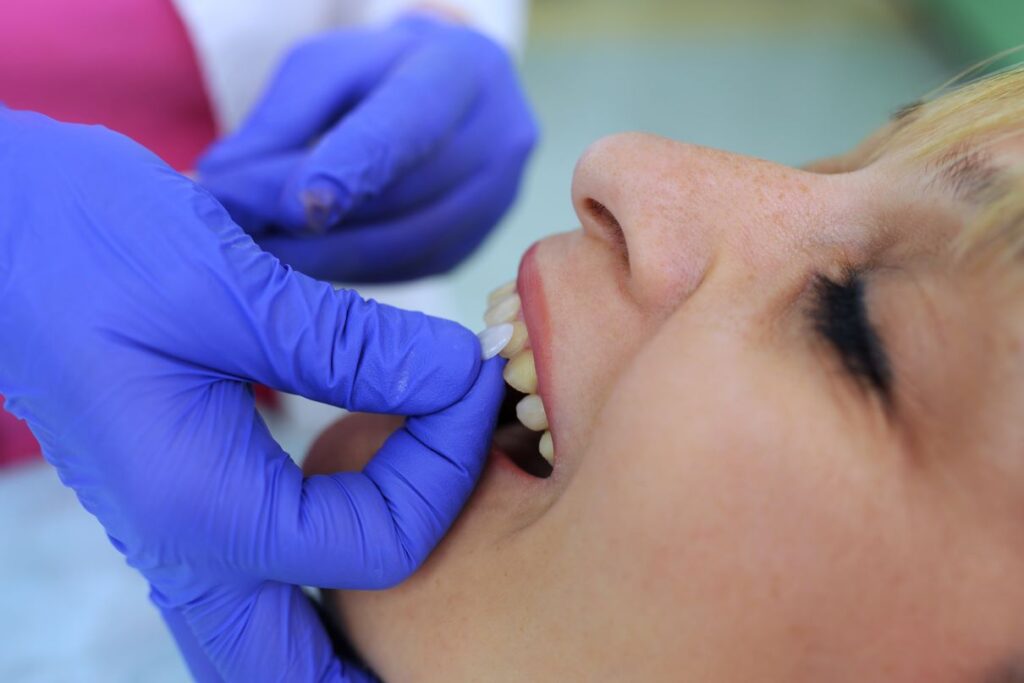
column 841, row 318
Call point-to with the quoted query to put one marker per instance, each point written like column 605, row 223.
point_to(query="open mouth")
column 522, row 433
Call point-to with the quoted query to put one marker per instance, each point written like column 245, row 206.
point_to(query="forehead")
column 973, row 173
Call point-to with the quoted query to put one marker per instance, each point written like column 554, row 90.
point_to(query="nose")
column 676, row 209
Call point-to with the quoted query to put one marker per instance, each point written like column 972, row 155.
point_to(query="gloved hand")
column 135, row 313
column 378, row 154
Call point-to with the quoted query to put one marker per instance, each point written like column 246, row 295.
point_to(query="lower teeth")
column 519, row 443
column 530, row 412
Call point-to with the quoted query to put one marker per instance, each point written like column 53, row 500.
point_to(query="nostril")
column 608, row 224
column 602, row 215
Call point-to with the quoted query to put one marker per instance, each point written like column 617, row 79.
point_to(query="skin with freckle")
column 728, row 502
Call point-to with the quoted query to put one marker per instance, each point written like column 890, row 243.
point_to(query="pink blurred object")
column 126, row 64
column 16, row 442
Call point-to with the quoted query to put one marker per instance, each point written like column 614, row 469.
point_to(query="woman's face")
column 787, row 433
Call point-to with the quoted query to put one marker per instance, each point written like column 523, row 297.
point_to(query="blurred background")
column 785, row 80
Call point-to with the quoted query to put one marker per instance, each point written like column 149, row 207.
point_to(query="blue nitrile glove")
column 378, row 154
column 134, row 313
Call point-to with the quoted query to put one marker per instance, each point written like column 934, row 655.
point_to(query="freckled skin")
column 727, row 504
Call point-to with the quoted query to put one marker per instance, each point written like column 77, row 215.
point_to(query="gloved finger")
column 372, row 529
column 250, row 190
column 431, row 240
column 253, row 318
column 500, row 130
column 407, row 117
column 266, row 632
column 314, row 86
column 471, row 149
column 454, row 162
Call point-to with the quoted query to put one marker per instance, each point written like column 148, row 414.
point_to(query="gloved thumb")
column 371, row 529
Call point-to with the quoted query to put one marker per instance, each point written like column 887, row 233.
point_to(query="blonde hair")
column 958, row 117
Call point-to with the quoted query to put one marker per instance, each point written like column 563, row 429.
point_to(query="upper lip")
column 535, row 316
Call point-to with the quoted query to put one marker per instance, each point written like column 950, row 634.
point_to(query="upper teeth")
column 501, row 292
column 503, row 313
column 503, row 310
column 521, row 372
column 517, row 342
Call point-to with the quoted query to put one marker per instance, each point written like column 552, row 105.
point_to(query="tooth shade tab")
column 547, row 447
column 521, row 372
column 520, row 339
column 504, row 311
column 531, row 413
column 494, row 339
column 501, row 292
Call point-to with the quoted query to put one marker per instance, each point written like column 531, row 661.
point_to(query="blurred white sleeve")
column 238, row 43
column 502, row 20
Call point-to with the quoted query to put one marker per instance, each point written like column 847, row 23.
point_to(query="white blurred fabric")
column 240, row 42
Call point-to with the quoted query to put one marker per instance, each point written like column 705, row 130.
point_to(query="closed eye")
column 840, row 316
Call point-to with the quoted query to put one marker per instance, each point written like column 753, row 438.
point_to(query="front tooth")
column 547, row 447
column 521, row 373
column 494, row 339
column 505, row 311
column 501, row 292
column 531, row 413
column 518, row 340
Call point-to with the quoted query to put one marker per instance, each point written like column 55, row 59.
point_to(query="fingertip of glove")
column 483, row 380
column 490, row 382
column 463, row 348
column 325, row 203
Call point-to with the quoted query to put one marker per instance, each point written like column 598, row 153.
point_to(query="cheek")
column 720, row 476
column 729, row 504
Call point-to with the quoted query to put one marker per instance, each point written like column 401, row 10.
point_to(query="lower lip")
column 501, row 459
column 500, row 464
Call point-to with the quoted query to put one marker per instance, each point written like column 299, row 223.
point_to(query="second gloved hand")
column 378, row 154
